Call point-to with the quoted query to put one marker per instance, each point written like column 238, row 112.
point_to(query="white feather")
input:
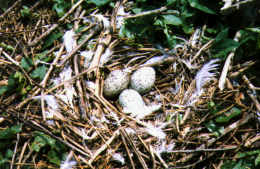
column 50, row 100
column 68, row 164
column 106, row 57
column 119, row 157
column 70, row 92
column 88, row 55
column 69, row 40
column 155, row 131
column 205, row 75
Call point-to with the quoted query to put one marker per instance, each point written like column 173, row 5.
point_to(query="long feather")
column 205, row 74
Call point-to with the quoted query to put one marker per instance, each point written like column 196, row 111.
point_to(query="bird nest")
column 207, row 108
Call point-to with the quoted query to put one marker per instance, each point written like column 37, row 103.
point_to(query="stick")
column 222, row 79
column 104, row 147
column 151, row 12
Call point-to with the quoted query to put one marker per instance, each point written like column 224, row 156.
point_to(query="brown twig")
column 133, row 146
column 128, row 151
column 104, row 147
column 11, row 8
column 151, row 12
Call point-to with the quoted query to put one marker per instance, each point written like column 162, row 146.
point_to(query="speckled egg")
column 131, row 101
column 116, row 81
column 143, row 79
column 133, row 104
column 130, row 98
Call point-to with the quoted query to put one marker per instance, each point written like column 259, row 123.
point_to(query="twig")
column 252, row 94
column 227, row 65
column 203, row 150
column 103, row 43
column 252, row 140
column 186, row 116
column 103, row 147
column 71, row 10
column 140, row 158
column 204, row 47
column 15, row 151
column 54, row 26
column 228, row 7
column 33, row 124
column 128, row 152
column 37, row 40
column 226, row 130
column 68, row 81
column 11, row 8
column 21, row 154
column 151, row 12
column 160, row 158
column 80, row 90
column 243, row 68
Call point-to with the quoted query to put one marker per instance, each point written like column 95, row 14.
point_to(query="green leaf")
column 25, row 12
column 98, row 3
column 170, row 2
column 255, row 30
column 51, row 38
column 39, row 72
column 61, row 6
column 9, row 153
column 137, row 10
column 3, row 89
column 216, row 130
column 257, row 160
column 38, row 143
column 222, row 35
column 223, row 45
column 172, row 20
column 53, row 157
column 50, row 141
column 26, row 63
column 11, row 81
column 41, row 140
column 248, row 153
column 197, row 5
column 228, row 115
column 10, row 132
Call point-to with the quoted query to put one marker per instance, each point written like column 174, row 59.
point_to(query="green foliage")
column 196, row 4
column 179, row 18
column 55, row 150
column 26, row 63
column 234, row 112
column 25, row 12
column 4, row 159
column 215, row 129
column 15, row 83
column 98, row 3
column 172, row 20
column 223, row 45
column 39, row 72
column 51, row 38
column 249, row 159
column 11, row 132
column 61, row 7
column 7, row 47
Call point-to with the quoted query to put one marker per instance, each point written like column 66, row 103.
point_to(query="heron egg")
column 131, row 101
column 143, row 79
column 116, row 81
